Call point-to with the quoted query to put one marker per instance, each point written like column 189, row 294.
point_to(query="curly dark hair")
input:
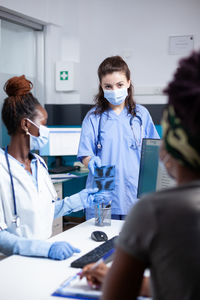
column 19, row 104
column 108, row 66
column 184, row 92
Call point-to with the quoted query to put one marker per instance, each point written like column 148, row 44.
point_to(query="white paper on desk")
column 78, row 288
column 62, row 176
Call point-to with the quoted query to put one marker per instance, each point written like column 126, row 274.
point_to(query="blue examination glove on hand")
column 87, row 197
column 12, row 244
column 102, row 198
column 94, row 162
column 62, row 250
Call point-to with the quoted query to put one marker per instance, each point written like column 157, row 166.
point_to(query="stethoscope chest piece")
column 98, row 145
column 16, row 220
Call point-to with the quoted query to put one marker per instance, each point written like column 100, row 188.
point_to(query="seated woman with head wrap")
column 162, row 232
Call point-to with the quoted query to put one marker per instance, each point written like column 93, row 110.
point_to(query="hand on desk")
column 62, row 250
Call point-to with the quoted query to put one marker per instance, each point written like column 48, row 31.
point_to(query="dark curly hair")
column 19, row 104
column 108, row 66
column 184, row 92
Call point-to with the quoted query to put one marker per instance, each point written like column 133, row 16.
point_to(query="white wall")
column 139, row 28
column 90, row 30
column 62, row 44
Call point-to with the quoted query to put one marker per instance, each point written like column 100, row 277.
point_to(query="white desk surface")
column 28, row 278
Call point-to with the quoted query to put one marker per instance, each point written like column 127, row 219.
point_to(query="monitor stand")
column 59, row 168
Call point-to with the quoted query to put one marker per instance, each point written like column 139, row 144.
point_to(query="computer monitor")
column 63, row 141
column 152, row 176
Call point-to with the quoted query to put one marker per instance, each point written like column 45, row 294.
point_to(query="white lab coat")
column 35, row 207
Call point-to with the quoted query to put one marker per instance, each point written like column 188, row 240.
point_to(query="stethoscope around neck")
column 16, row 218
column 137, row 140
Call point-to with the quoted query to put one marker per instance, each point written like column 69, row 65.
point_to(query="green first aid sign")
column 63, row 75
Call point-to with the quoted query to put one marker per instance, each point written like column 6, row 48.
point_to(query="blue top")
column 121, row 146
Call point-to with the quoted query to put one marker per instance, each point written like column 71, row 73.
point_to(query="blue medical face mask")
column 38, row 142
column 116, row 97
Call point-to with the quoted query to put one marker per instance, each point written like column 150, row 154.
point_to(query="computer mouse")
column 99, row 236
column 77, row 168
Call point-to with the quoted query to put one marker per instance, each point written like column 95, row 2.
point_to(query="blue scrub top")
column 119, row 148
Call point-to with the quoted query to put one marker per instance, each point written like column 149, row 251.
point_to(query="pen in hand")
column 95, row 273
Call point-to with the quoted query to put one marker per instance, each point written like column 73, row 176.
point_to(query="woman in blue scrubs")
column 112, row 134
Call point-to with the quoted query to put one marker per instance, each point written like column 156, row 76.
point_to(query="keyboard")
column 95, row 254
column 64, row 169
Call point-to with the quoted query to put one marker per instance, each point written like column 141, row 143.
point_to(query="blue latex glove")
column 13, row 244
column 94, row 162
column 87, row 197
column 102, row 197
column 61, row 250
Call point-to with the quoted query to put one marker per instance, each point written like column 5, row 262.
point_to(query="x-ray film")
column 104, row 178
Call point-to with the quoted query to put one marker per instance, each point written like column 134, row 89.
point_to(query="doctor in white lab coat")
column 28, row 200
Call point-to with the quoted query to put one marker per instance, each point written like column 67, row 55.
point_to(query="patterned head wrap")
column 181, row 144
